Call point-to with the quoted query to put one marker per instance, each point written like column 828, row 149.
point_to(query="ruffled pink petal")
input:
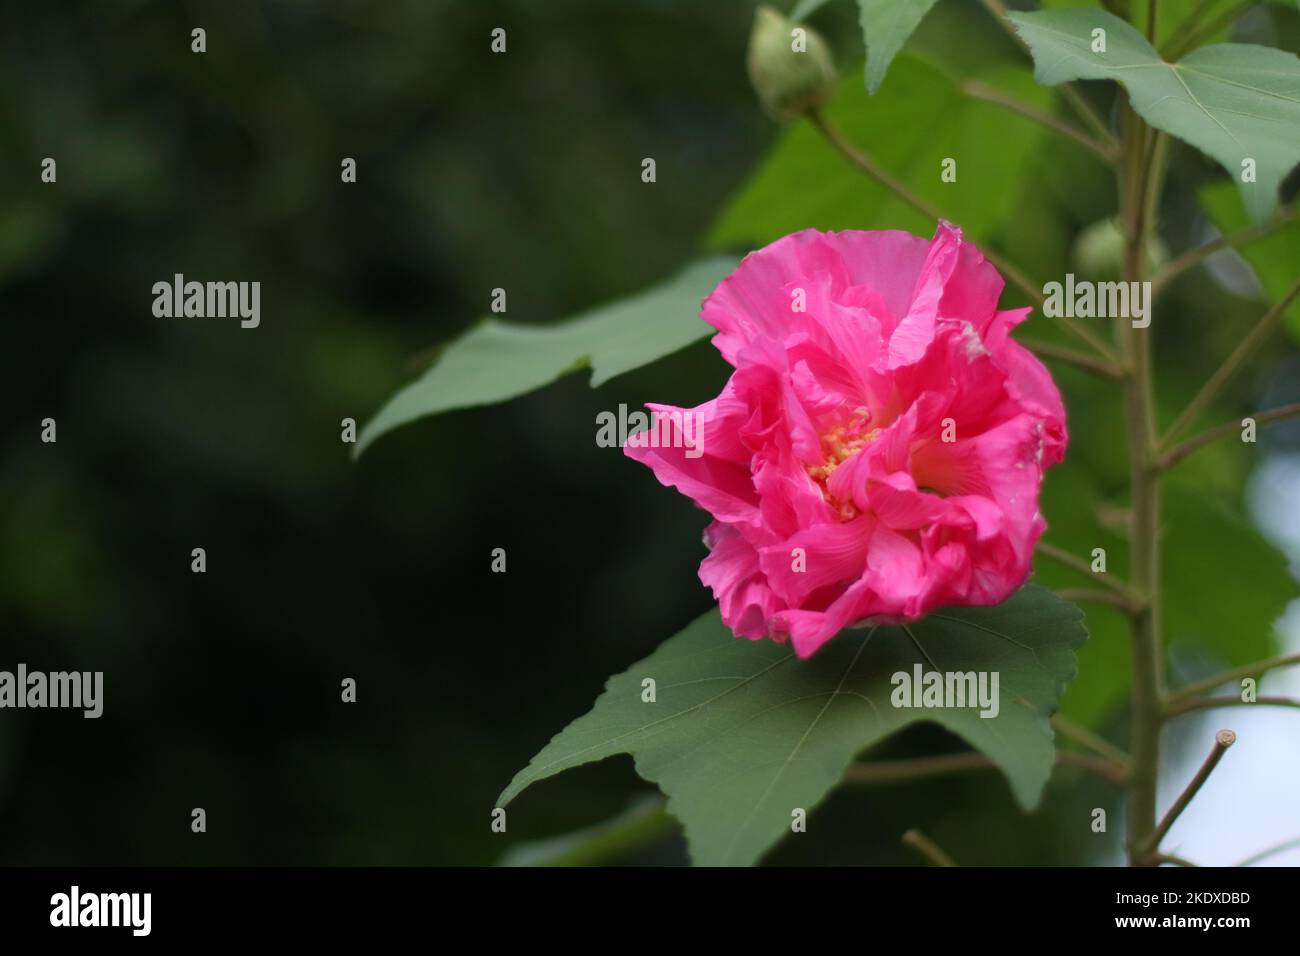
column 732, row 573
column 915, row 332
column 722, row 487
column 753, row 301
column 811, row 559
column 894, row 569
column 973, row 289
column 1030, row 384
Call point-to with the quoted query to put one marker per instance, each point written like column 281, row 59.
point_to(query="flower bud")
column 790, row 67
column 1099, row 250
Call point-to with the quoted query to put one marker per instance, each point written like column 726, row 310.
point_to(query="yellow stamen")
column 839, row 445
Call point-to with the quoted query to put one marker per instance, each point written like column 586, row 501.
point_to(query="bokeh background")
column 478, row 171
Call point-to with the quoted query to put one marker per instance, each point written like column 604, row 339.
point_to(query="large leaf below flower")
column 1236, row 102
column 742, row 733
column 495, row 361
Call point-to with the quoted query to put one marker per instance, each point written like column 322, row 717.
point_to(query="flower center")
column 839, row 445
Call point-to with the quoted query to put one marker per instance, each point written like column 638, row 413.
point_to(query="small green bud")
column 790, row 66
column 1099, row 250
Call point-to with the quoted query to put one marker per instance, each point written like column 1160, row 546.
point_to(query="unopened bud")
column 1099, row 250
column 790, row 66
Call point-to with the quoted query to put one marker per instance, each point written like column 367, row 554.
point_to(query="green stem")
column 1060, row 353
column 1137, row 176
column 1094, row 742
column 1186, row 27
column 1154, row 183
column 1174, row 455
column 1212, row 703
column 991, row 94
column 1098, row 596
column 1194, row 257
column 609, row 842
column 1178, row 46
column 1269, row 851
column 923, row 845
column 1151, row 848
column 911, row 769
column 1078, row 564
column 1257, row 669
column 1244, row 350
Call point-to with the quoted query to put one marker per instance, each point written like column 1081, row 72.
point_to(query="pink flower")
column 878, row 450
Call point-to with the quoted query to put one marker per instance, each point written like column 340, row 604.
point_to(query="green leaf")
column 742, row 732
column 886, row 25
column 806, row 8
column 805, row 183
column 1235, row 102
column 496, row 360
column 1175, row 19
column 1273, row 257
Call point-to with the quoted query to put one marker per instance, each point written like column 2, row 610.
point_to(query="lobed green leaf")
column 1238, row 103
column 741, row 734
column 495, row 360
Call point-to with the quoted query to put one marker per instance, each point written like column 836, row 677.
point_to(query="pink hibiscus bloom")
column 878, row 451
